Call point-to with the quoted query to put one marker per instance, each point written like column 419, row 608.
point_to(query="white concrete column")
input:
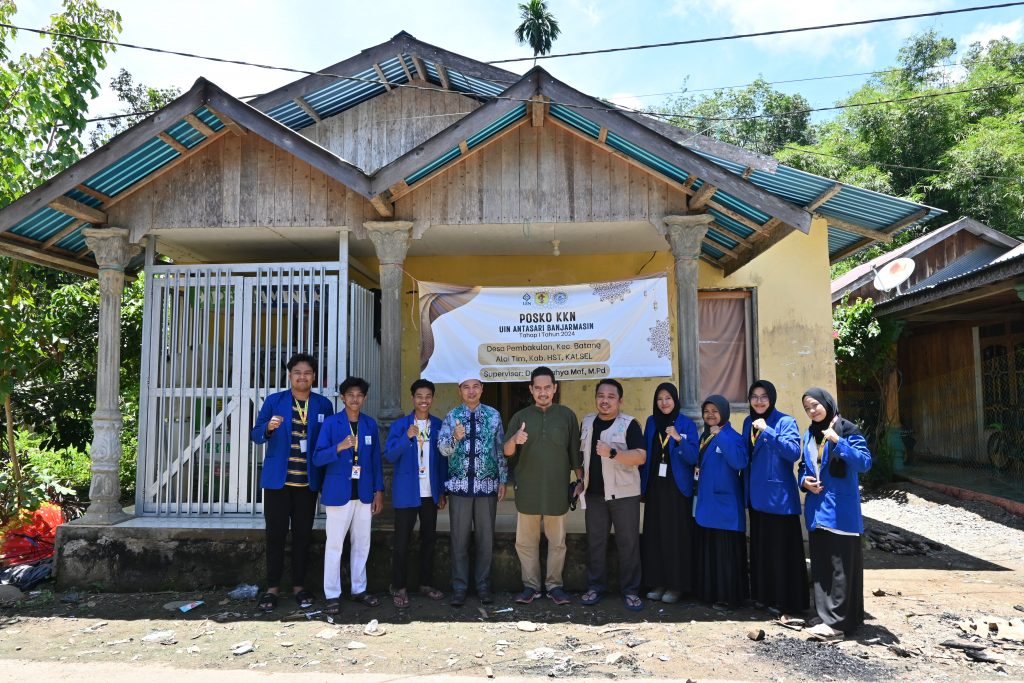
column 684, row 235
column 113, row 252
column 391, row 242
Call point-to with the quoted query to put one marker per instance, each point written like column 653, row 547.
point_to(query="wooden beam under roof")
column 405, row 67
column 50, row 260
column 442, row 73
column 538, row 107
column 747, row 172
column 703, row 196
column 78, row 210
column 738, row 217
column 463, row 147
column 720, row 247
column 62, row 234
column 198, row 124
column 95, row 194
column 228, row 122
column 421, row 71
column 707, row 259
column 847, row 226
column 178, row 147
column 308, row 108
column 904, row 222
column 383, row 206
column 824, row 197
column 742, row 241
column 780, row 231
column 383, row 78
column 602, row 135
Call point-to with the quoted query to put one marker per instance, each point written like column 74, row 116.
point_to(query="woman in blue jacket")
column 778, row 572
column 834, row 454
column 289, row 423
column 720, row 510
column 417, row 490
column 666, row 482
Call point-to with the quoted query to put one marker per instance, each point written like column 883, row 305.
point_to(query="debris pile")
column 900, row 542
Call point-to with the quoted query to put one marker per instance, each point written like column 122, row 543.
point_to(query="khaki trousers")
column 528, row 529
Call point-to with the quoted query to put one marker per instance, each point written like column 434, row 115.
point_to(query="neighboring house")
column 265, row 226
column 961, row 351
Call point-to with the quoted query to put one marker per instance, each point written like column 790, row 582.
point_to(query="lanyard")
column 424, row 434
column 704, row 443
column 664, row 446
column 302, row 408
column 754, row 433
column 355, row 448
column 821, row 455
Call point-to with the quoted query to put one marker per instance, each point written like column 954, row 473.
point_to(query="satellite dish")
column 893, row 274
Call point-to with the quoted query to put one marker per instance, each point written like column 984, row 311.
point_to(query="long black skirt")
column 722, row 566
column 778, row 569
column 837, row 573
column 667, row 544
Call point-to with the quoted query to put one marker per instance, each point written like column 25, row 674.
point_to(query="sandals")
column 400, row 598
column 432, row 593
column 332, row 606
column 633, row 603
column 366, row 598
column 268, row 602
column 591, row 597
column 304, row 598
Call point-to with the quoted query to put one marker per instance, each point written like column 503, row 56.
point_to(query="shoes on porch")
column 458, row 599
column 527, row 595
column 656, row 594
column 559, row 596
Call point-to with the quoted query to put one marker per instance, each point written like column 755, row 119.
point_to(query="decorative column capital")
column 111, row 247
column 685, row 234
column 390, row 239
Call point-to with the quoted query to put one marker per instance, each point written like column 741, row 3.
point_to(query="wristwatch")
column 613, row 453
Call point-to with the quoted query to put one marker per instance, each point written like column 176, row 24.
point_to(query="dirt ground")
column 973, row 568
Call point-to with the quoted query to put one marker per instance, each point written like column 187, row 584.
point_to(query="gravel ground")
column 973, row 568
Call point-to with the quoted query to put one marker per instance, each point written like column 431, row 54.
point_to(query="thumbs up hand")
column 460, row 431
column 830, row 433
column 521, row 436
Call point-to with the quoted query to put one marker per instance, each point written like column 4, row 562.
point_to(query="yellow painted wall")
column 794, row 320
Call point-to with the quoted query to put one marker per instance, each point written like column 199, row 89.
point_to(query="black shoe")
column 458, row 599
column 485, row 596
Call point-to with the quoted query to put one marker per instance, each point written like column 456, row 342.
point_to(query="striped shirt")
column 298, row 461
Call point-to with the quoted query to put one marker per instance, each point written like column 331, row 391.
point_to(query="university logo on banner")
column 590, row 331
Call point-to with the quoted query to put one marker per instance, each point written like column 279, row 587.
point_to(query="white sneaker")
column 656, row 593
column 671, row 597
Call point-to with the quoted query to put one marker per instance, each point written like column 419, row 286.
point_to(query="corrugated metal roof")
column 981, row 256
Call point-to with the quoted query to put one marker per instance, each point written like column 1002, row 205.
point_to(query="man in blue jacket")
column 348, row 449
column 289, row 422
column 417, row 490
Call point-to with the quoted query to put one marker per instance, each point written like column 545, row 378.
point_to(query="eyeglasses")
column 760, row 397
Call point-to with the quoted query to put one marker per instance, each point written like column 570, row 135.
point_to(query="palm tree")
column 539, row 28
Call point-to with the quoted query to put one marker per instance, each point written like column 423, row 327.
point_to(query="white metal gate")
column 216, row 340
column 364, row 348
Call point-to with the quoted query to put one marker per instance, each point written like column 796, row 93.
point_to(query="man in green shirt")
column 543, row 447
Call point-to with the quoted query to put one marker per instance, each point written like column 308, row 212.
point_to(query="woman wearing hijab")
column 666, row 481
column 834, row 454
column 778, row 574
column 721, row 576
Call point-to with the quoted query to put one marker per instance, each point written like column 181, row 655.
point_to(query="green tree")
column 757, row 117
column 139, row 101
column 539, row 28
column 43, row 104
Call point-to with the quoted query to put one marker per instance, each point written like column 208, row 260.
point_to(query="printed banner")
column 500, row 334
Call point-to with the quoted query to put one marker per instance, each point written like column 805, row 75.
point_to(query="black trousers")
column 837, row 575
column 622, row 514
column 293, row 506
column 405, row 520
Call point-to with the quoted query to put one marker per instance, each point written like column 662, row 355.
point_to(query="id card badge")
column 302, row 445
column 367, row 440
column 696, row 474
column 423, row 473
column 356, row 469
column 320, row 418
column 663, row 469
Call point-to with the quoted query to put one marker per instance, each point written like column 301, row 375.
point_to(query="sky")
column 313, row 34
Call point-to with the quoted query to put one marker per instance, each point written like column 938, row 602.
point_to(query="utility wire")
column 863, row 162
column 759, row 34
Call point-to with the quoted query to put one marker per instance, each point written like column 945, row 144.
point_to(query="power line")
column 759, row 34
column 879, row 163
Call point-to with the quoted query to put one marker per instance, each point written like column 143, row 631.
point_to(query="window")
column 726, row 348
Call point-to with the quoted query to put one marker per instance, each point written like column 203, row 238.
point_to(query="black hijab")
column 769, row 389
column 661, row 420
column 842, row 427
column 722, row 404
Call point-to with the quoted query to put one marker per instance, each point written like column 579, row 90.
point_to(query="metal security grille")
column 217, row 339
column 364, row 347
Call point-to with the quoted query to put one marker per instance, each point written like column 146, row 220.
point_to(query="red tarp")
column 33, row 540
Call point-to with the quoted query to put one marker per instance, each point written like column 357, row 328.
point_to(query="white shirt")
column 424, row 457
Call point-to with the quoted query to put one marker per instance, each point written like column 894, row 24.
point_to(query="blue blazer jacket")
column 720, row 497
column 337, row 482
column 771, row 480
column 275, row 461
column 682, row 470
column 838, row 505
column 404, row 453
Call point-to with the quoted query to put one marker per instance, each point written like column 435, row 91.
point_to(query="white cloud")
column 588, row 9
column 863, row 53
column 983, row 33
column 628, row 100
